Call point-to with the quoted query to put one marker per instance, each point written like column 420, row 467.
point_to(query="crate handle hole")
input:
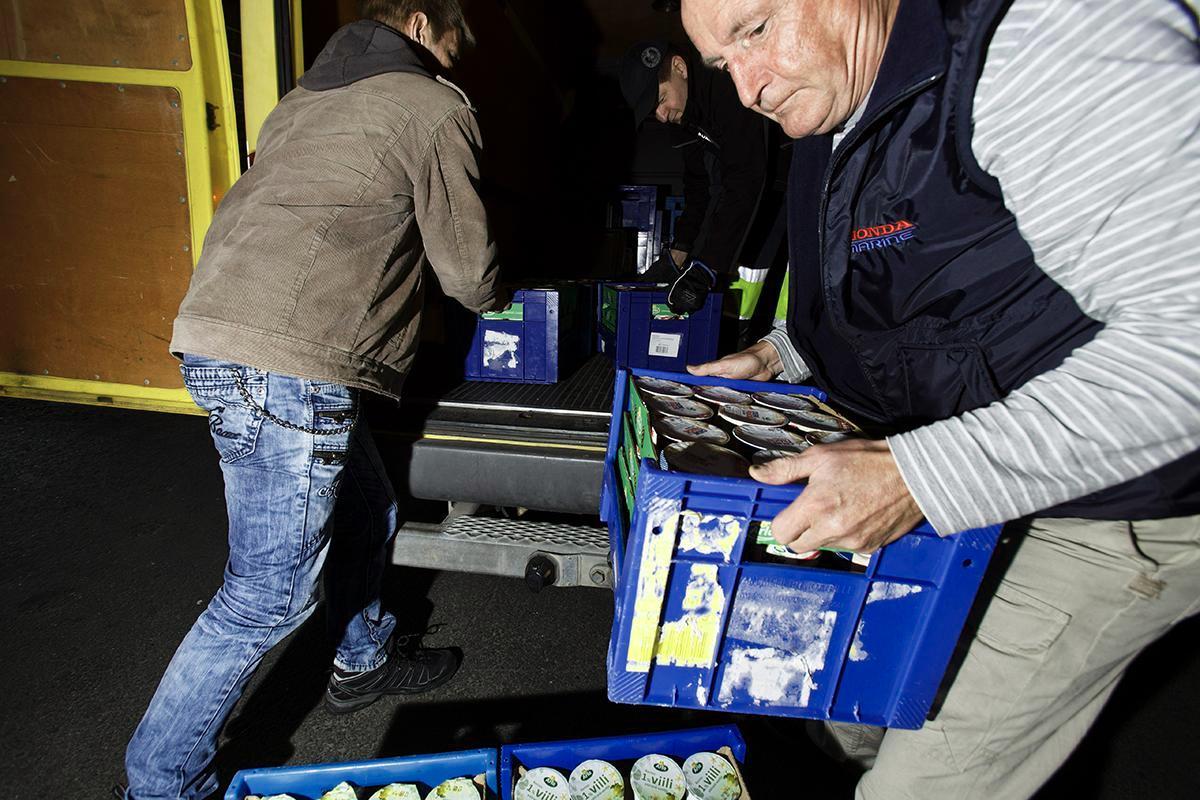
column 967, row 563
column 657, row 530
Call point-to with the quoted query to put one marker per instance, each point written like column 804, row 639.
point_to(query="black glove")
column 691, row 288
column 663, row 270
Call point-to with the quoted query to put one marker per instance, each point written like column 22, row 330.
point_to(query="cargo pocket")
column 233, row 423
column 943, row 381
column 1007, row 680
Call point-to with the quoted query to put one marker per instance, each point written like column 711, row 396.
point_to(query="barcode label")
column 665, row 345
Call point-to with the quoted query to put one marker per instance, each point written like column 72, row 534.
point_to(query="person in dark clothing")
column 721, row 238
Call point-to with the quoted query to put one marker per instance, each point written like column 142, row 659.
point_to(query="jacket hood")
column 361, row 50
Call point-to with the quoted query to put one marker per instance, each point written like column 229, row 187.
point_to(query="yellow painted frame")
column 260, row 87
column 211, row 166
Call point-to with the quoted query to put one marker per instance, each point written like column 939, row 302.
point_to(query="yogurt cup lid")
column 751, row 415
column 765, row 456
column 396, row 791
column 765, row 437
column 596, row 780
column 723, row 394
column 780, row 401
column 678, row 407
column 677, row 429
column 705, row 458
column 657, row 777
column 710, row 776
column 542, row 783
column 662, row 388
column 817, row 421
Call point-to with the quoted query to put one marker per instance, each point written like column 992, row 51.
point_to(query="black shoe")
column 412, row 672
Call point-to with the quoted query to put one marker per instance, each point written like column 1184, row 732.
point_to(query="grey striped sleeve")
column 1088, row 113
column 794, row 368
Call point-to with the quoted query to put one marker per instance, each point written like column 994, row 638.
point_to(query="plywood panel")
column 145, row 34
column 96, row 253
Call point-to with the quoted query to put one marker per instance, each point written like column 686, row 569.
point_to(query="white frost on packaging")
column 708, row 534
column 883, row 590
column 782, row 636
column 857, row 651
column 500, row 349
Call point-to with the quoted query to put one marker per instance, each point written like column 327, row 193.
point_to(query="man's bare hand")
column 759, row 362
column 855, row 499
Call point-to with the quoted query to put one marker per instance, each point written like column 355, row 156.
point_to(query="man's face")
column 672, row 94
column 446, row 48
column 791, row 60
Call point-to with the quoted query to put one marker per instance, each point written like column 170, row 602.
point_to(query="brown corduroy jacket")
column 314, row 263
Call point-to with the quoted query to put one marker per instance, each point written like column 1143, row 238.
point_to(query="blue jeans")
column 293, row 498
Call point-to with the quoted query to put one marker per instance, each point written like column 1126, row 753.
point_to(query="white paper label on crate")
column 709, row 534
column 500, row 349
column 691, row 640
column 786, row 631
column 665, row 345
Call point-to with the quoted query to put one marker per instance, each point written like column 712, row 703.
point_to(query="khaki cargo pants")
column 1080, row 599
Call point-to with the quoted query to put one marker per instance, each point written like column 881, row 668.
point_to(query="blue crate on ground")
column 566, row 755
column 698, row 626
column 540, row 338
column 311, row 781
column 638, row 330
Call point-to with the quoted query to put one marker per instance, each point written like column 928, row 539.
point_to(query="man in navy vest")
column 995, row 237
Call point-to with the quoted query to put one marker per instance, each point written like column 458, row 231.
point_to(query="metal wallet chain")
column 283, row 423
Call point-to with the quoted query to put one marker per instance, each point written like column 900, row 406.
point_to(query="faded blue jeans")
column 294, row 498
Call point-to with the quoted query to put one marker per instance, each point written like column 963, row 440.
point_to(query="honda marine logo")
column 889, row 234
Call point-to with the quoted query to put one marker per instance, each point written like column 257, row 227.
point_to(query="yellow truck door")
column 118, row 137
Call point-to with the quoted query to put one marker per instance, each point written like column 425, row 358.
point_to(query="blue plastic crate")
column 696, row 626
column 311, row 781
column 566, row 755
column 539, row 339
column 637, row 205
column 638, row 330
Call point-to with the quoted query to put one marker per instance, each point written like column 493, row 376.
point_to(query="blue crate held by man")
column 638, row 330
column 702, row 623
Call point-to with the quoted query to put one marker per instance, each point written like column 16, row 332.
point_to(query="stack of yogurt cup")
column 716, row 430
column 453, row 789
column 702, row 776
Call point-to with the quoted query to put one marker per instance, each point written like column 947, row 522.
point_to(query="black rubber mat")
column 588, row 389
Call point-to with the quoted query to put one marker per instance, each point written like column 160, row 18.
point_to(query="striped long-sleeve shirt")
column 1088, row 113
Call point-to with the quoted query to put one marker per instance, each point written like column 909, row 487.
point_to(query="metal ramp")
column 543, row 553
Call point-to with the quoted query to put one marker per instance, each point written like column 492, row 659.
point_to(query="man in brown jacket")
column 309, row 291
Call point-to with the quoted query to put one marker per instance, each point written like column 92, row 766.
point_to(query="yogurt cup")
column 542, row 783
column 455, row 789
column 704, row 458
column 710, row 776
column 817, row 421
column 396, row 791
column 662, row 388
column 676, row 429
column 343, row 791
column 780, row 401
column 720, row 395
column 751, row 415
column 679, row 407
column 762, row 437
column 656, row 777
column 596, row 780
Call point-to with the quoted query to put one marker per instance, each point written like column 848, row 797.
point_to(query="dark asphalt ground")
column 113, row 541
